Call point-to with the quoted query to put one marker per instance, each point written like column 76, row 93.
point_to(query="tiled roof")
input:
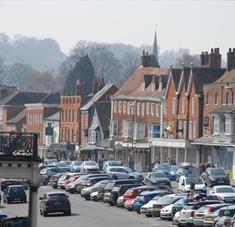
column 19, row 117
column 203, row 76
column 103, row 110
column 21, row 98
column 97, row 96
column 132, row 87
column 224, row 109
column 228, row 77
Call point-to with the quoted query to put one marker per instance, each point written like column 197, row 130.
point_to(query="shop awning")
column 210, row 141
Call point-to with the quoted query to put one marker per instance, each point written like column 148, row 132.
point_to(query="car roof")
column 217, row 205
column 14, row 186
column 152, row 192
column 205, row 202
column 232, row 207
column 223, row 186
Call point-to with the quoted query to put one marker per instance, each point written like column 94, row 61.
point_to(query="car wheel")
column 138, row 212
column 45, row 214
column 148, row 215
column 131, row 177
column 67, row 213
column 87, row 197
column 55, row 186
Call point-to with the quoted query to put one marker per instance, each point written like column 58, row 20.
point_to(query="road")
column 87, row 214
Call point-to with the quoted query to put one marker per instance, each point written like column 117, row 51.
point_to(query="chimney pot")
column 143, row 52
column 212, row 50
column 230, row 49
column 202, row 52
column 233, row 50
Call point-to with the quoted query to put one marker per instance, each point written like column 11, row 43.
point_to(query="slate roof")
column 19, row 117
column 186, row 76
column 103, row 110
column 132, row 86
column 14, row 112
column 203, row 76
column 228, row 77
column 21, row 98
column 176, row 73
column 53, row 117
column 97, row 96
column 53, row 98
column 224, row 109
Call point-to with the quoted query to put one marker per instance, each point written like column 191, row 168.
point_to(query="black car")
column 14, row 193
column 109, row 187
column 119, row 191
column 157, row 178
column 55, row 202
column 215, row 176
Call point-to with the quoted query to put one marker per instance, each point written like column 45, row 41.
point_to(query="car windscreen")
column 77, row 163
column 194, row 180
column 164, row 167
column 113, row 164
column 90, row 163
column 16, row 190
column 57, row 197
column 159, row 175
column 218, row 172
column 224, row 190
column 167, row 199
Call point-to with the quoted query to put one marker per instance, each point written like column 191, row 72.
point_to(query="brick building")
column 135, row 115
column 183, row 109
column 217, row 143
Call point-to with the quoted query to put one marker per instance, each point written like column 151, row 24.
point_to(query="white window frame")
column 157, row 109
column 216, row 125
column 147, row 108
column 119, row 106
column 228, row 124
column 139, row 130
column 142, row 108
column 124, row 107
column 152, row 108
column 138, row 109
column 193, row 105
column 114, row 107
column 128, row 108
column 190, row 129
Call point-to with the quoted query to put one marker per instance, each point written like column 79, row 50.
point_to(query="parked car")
column 145, row 197
column 108, row 188
column 129, row 204
column 122, row 172
column 62, row 179
column 224, row 217
column 207, row 210
column 14, row 193
column 101, row 190
column 215, row 176
column 94, row 196
column 88, row 182
column 147, row 208
column 7, row 182
column 89, row 167
column 225, row 193
column 2, row 215
column 157, row 178
column 172, row 172
column 187, row 213
column 53, row 182
column 61, row 165
column 75, row 166
column 107, row 164
column 165, row 168
column 51, row 171
column 167, row 211
column 186, row 182
column 165, row 201
column 119, row 191
column 15, row 222
column 55, row 202
column 120, row 201
column 187, row 170
column 86, row 192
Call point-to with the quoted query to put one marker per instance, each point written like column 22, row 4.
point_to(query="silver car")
column 122, row 172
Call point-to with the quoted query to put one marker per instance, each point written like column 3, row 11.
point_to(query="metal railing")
column 18, row 145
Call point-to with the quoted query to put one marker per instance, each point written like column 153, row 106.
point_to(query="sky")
column 196, row 25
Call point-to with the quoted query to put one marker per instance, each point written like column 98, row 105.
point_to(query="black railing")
column 18, row 145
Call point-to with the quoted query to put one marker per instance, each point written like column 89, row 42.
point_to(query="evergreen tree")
column 82, row 71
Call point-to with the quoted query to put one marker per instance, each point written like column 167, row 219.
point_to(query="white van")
column 185, row 182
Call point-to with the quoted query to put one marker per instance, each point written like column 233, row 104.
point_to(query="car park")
column 185, row 183
column 89, row 167
column 14, row 193
column 55, row 202
column 122, row 172
column 157, row 178
column 215, row 176
column 225, row 193
column 199, row 215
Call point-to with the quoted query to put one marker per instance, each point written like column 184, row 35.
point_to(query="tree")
column 83, row 71
column 187, row 60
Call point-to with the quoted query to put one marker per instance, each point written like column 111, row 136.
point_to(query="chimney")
column 202, row 57
column 231, row 59
column 148, row 60
column 206, row 59
column 215, row 59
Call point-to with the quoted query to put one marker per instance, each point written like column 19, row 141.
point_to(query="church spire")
column 155, row 48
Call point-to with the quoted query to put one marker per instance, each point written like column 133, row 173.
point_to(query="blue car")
column 172, row 172
column 145, row 197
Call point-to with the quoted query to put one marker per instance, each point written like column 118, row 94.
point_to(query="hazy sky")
column 197, row 25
